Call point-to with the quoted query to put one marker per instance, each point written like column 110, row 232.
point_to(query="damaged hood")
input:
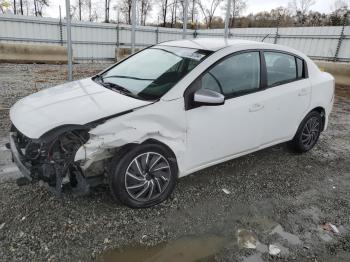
column 75, row 103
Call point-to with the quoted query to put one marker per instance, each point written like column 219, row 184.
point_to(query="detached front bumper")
column 18, row 157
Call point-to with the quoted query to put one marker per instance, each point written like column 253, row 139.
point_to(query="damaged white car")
column 168, row 111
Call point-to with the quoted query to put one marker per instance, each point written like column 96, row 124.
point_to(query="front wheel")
column 308, row 133
column 143, row 177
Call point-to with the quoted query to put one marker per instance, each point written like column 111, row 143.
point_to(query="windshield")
column 152, row 72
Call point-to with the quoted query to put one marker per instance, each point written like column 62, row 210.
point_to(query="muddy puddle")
column 185, row 250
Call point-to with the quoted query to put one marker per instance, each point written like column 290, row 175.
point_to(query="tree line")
column 201, row 13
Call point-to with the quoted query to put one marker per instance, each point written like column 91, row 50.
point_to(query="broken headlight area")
column 51, row 159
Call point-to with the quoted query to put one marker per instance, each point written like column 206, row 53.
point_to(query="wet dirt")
column 279, row 197
column 185, row 249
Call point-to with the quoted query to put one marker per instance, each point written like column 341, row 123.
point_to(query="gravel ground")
column 276, row 197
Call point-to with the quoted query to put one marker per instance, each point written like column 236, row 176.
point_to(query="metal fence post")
column 277, row 29
column 195, row 33
column 341, row 38
column 276, row 36
column 227, row 18
column 69, row 42
column 60, row 25
column 117, row 41
column 157, row 35
column 133, row 25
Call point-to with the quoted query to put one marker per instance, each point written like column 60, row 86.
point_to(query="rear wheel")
column 308, row 133
column 143, row 177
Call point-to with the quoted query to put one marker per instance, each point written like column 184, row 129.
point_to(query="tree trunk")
column 79, row 5
column 233, row 14
column 35, row 8
column 164, row 12
column 192, row 15
column 90, row 14
column 107, row 11
column 129, row 12
column 175, row 19
column 142, row 12
column 172, row 14
column 21, row 5
column 210, row 21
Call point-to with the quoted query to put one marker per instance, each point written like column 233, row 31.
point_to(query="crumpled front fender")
column 164, row 121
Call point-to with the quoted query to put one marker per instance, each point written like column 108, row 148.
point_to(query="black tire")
column 119, row 179
column 308, row 133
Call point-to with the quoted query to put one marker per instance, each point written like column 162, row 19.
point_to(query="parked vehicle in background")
column 168, row 111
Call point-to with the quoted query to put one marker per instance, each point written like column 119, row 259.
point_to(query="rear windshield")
column 152, row 72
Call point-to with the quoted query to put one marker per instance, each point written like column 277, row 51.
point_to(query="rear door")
column 286, row 98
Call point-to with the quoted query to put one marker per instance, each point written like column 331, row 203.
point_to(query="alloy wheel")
column 311, row 132
column 147, row 176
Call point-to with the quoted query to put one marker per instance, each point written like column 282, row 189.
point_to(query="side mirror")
column 208, row 97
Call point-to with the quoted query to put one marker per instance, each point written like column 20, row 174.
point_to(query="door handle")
column 303, row 92
column 256, row 107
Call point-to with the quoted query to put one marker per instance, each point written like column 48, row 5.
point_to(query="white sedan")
column 168, row 111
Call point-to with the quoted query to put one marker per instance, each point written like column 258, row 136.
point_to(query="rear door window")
column 281, row 68
column 300, row 68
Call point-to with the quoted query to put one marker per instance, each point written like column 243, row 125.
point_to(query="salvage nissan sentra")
column 168, row 111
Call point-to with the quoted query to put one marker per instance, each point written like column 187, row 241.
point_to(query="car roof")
column 212, row 44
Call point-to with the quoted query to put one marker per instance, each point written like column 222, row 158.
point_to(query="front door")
column 215, row 133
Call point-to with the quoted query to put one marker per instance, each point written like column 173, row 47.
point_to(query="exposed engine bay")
column 51, row 158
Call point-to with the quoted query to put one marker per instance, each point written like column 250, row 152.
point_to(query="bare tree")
column 237, row 7
column 281, row 16
column 164, row 4
column 208, row 10
column 301, row 8
column 125, row 10
column 21, row 6
column 193, row 10
column 90, row 10
column 340, row 13
column 340, row 4
column 79, row 8
column 39, row 6
column 145, row 7
column 107, row 6
column 301, row 5
column 174, row 13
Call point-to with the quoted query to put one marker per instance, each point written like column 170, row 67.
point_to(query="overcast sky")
column 253, row 6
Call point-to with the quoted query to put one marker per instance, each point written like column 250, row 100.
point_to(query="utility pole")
column 184, row 29
column 227, row 18
column 133, row 25
column 69, row 42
